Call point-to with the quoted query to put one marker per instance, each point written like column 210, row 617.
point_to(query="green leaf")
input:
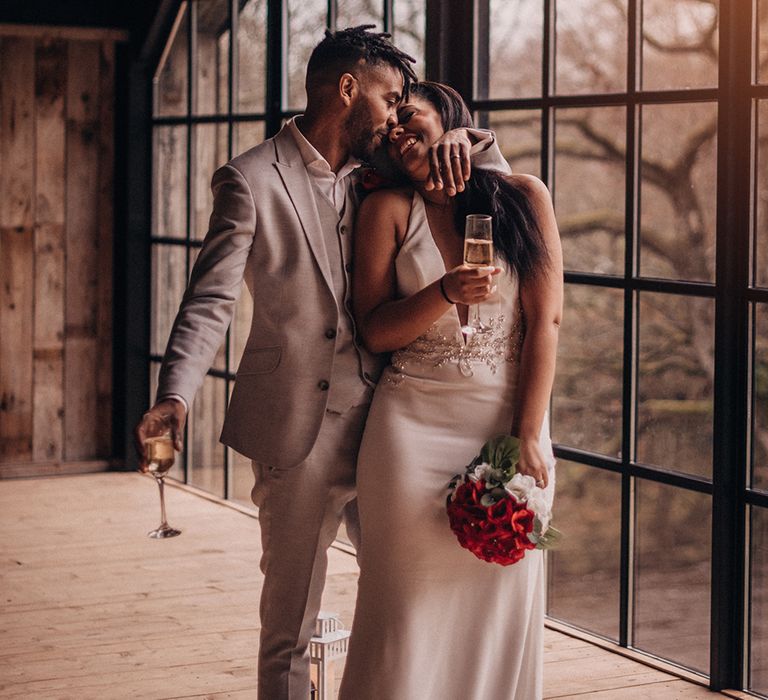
column 501, row 452
column 550, row 539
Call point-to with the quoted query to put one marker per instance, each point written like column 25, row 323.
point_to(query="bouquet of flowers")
column 495, row 512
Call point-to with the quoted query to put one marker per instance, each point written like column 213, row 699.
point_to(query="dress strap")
column 417, row 218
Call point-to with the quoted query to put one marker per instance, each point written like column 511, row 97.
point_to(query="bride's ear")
column 349, row 88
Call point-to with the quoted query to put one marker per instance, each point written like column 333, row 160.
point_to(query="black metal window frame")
column 736, row 98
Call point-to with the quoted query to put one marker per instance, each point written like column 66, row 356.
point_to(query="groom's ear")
column 348, row 88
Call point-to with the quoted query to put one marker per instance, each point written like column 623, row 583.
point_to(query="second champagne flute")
column 478, row 252
column 161, row 455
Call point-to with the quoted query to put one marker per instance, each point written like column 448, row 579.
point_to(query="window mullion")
column 731, row 344
column 277, row 24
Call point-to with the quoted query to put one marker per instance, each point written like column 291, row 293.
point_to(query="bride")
column 432, row 622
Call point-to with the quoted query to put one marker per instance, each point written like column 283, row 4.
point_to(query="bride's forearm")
column 535, row 379
column 393, row 324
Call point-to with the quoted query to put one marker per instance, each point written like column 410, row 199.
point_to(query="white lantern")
column 328, row 646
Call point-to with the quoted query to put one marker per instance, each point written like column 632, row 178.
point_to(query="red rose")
column 496, row 533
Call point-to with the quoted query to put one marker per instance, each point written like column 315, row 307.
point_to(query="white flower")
column 520, row 485
column 538, row 504
column 482, row 471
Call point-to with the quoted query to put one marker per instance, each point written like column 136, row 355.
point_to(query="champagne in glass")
column 478, row 252
column 161, row 455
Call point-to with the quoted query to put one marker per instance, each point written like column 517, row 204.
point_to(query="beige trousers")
column 300, row 510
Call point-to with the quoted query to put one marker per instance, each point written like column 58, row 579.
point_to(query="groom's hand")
column 449, row 162
column 168, row 415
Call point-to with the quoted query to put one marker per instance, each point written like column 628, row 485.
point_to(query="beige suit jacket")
column 265, row 230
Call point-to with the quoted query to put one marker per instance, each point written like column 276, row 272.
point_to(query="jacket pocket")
column 260, row 361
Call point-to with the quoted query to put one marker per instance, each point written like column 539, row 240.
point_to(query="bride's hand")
column 532, row 462
column 449, row 162
column 469, row 285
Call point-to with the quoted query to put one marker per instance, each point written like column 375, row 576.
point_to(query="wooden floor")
column 92, row 608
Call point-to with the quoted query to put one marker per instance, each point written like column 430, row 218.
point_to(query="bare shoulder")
column 384, row 214
column 390, row 202
column 533, row 186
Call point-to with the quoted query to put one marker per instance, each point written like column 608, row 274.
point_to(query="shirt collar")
column 312, row 157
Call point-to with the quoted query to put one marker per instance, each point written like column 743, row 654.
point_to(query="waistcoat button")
column 323, row 385
column 330, row 333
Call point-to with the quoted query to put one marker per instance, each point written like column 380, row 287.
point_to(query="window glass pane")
column 410, row 26
column 760, row 400
column 591, row 46
column 519, row 137
column 761, row 196
column 169, row 181
column 679, row 44
column 306, row 21
column 241, row 479
column 247, row 135
column 672, row 573
column 586, row 402
column 515, row 44
column 353, row 13
column 211, row 95
column 209, row 151
column 675, row 380
column 171, row 83
column 169, row 280
column 589, row 187
column 762, row 41
column 206, row 453
column 758, row 633
column 251, row 56
column 678, row 173
column 584, row 570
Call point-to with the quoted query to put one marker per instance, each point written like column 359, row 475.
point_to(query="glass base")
column 480, row 328
column 162, row 532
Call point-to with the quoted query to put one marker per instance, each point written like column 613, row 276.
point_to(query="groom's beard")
column 359, row 125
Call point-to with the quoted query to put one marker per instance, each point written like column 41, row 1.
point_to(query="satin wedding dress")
column 433, row 622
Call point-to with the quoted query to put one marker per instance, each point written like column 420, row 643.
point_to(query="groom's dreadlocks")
column 343, row 51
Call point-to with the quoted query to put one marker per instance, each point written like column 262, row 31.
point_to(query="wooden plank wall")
column 56, row 249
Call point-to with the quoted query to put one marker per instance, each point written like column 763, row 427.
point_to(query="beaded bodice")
column 438, row 349
column 420, row 263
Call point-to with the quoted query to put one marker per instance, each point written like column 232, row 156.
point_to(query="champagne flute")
column 161, row 455
column 478, row 252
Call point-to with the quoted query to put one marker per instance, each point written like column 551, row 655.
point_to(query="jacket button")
column 323, row 385
column 343, row 229
column 330, row 333
column 348, row 267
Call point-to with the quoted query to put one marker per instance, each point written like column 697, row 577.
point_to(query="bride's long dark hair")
column 516, row 234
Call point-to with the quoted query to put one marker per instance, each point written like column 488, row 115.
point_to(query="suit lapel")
column 298, row 186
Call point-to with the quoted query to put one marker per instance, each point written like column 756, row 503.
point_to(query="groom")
column 282, row 221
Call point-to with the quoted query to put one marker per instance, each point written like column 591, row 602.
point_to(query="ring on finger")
column 455, row 155
column 540, row 483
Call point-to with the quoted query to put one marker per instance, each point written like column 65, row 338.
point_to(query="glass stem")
column 161, row 485
column 475, row 323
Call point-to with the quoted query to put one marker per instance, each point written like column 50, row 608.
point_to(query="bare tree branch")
column 696, row 139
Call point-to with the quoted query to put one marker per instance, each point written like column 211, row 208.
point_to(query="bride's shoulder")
column 391, row 202
column 389, row 196
column 530, row 183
